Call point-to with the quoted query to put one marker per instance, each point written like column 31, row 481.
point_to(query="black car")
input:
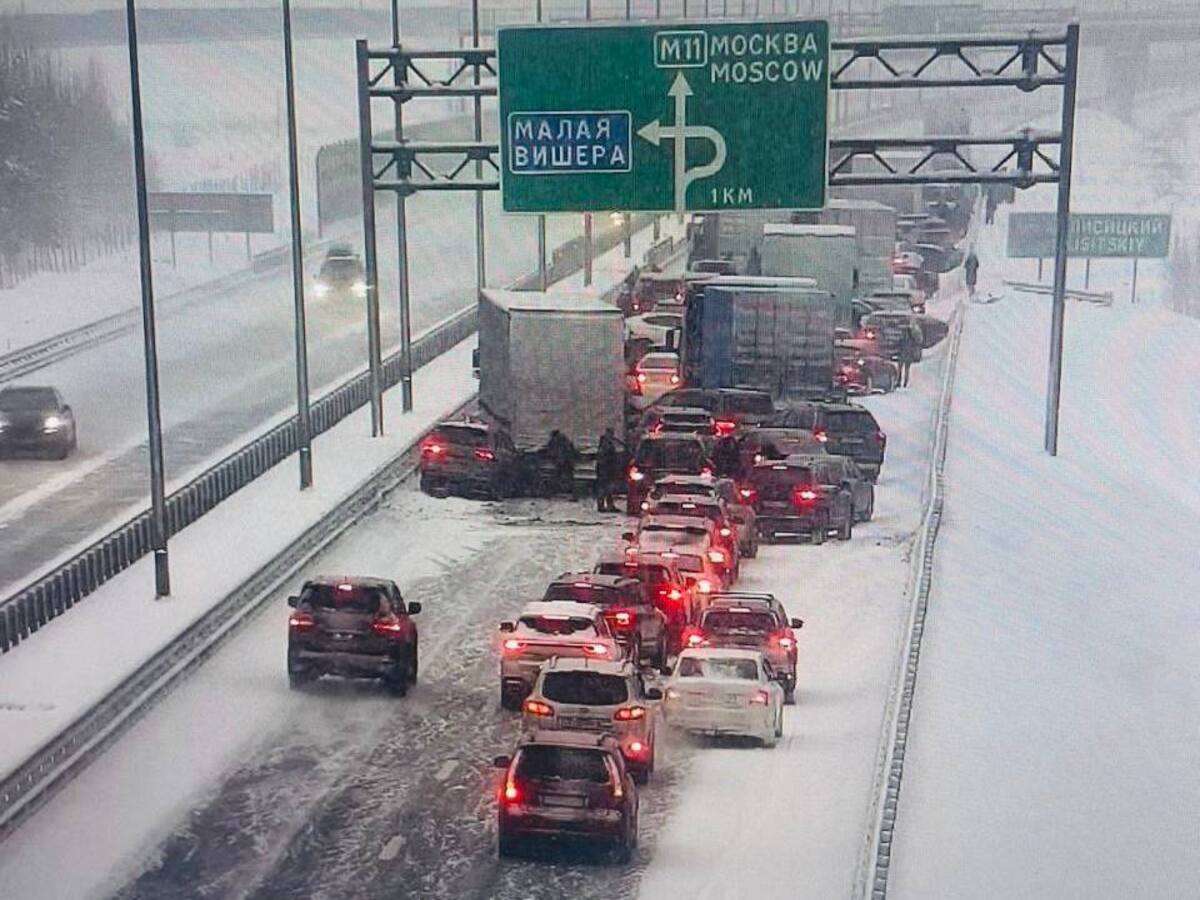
column 863, row 373
column 845, row 471
column 847, row 429
column 662, row 454
column 36, row 420
column 897, row 334
column 792, row 501
column 355, row 627
column 678, row 420
column 732, row 408
column 636, row 622
column 341, row 271
column 471, row 457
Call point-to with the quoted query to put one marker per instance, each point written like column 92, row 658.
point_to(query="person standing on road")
column 971, row 268
column 608, row 467
column 910, row 351
column 990, row 203
column 561, row 453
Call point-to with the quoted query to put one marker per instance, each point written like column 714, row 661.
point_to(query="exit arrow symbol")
column 679, row 131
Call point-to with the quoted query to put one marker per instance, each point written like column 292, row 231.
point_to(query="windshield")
column 859, row 421
column 350, row 597
column 724, row 621
column 690, row 563
column 462, row 437
column 654, row 361
column 539, row 763
column 752, row 404
column 659, row 528
column 681, row 455
column 601, row 595
column 585, row 688
column 557, row 626
column 28, row 399
column 725, row 669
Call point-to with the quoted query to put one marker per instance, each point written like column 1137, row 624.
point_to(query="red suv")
column 356, row 627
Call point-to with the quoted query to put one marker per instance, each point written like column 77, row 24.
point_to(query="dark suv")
column 732, row 408
column 847, row 429
column 662, row 454
column 636, row 622
column 35, row 419
column 470, row 457
column 791, row 501
column 567, row 784
column 355, row 627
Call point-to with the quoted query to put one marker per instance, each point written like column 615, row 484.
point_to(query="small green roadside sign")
column 655, row 118
column 1095, row 235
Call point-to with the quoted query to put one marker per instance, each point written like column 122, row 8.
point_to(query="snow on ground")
column 1053, row 745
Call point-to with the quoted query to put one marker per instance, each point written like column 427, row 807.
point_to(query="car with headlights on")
column 600, row 696
column 544, row 630
column 36, row 420
column 724, row 691
column 567, row 786
column 341, row 272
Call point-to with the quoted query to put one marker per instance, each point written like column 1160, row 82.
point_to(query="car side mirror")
column 66, row 410
column 653, row 694
column 796, row 623
column 508, row 627
column 293, row 601
column 627, row 536
column 414, row 608
column 501, row 762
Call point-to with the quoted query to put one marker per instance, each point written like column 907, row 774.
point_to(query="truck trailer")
column 827, row 253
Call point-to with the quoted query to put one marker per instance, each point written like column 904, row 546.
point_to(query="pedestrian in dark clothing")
column 990, row 206
column 910, row 351
column 971, row 268
column 608, row 468
column 561, row 452
column 727, row 457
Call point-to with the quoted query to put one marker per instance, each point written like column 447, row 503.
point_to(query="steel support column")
column 374, row 340
column 480, row 260
column 158, row 502
column 402, row 283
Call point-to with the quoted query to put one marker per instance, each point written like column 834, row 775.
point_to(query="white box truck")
column 551, row 361
column 827, row 253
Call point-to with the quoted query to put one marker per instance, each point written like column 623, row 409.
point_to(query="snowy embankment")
column 1053, row 750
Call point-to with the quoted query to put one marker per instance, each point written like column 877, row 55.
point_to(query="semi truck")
column 551, row 361
column 875, row 231
column 772, row 334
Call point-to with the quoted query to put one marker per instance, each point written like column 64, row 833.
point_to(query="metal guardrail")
column 876, row 864
column 53, row 594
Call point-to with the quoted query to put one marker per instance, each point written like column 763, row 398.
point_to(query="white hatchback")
column 725, row 691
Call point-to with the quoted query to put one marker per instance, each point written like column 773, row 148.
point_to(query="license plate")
column 733, row 701
column 578, row 724
column 562, row 800
column 342, row 636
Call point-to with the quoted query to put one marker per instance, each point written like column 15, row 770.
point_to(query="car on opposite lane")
column 36, row 419
column 725, row 691
column 567, row 785
column 341, row 271
column 599, row 696
column 354, row 627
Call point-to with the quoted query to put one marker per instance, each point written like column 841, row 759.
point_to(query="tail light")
column 805, row 496
column 785, row 639
column 596, row 649
column 636, row 475
column 641, row 377
column 512, row 793
column 748, row 494
column 485, row 454
column 870, row 334
column 432, row 448
column 635, row 386
column 821, row 435
column 693, row 637
column 882, row 437
column 674, row 378
column 656, row 428
column 725, row 429
column 704, row 585
column 725, row 531
column 645, row 505
column 706, row 472
column 512, row 645
column 630, row 713
column 670, row 592
column 301, row 621
column 537, row 708
column 671, row 694
column 623, row 618
column 760, row 698
column 387, row 626
column 716, row 556
column 636, row 748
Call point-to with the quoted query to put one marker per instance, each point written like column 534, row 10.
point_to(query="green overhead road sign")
column 1095, row 235
column 690, row 117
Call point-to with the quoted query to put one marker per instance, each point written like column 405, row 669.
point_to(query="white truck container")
column 875, row 229
column 551, row 361
column 827, row 253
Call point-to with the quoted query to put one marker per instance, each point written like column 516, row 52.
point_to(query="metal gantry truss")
column 1025, row 62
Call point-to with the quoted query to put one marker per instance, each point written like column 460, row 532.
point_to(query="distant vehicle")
column 848, row 429
column 562, row 785
column 471, row 457
column 753, row 621
column 906, row 263
column 601, row 697
column 714, row 266
column 654, row 375
column 355, row 627
column 663, row 585
column 662, row 329
column 842, row 470
column 725, row 691
column 341, row 272
column 725, row 491
column 654, row 290
column 659, row 533
column 38, row 420
column 892, row 330
column 663, row 454
column 776, row 444
column 897, row 299
column 732, row 408
column 792, row 501
column 548, row 629
column 678, row 420
column 636, row 622
column 862, row 373
column 713, row 509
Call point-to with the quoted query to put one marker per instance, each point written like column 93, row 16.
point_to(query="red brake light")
column 512, row 645
column 870, row 334
column 724, row 429
column 641, row 377
column 695, row 639
column 747, row 493
column 485, row 454
column 538, row 708
column 301, row 621
column 760, row 698
column 596, row 649
column 674, row 378
column 806, row 495
column 820, row 435
column 705, row 586
column 623, row 618
column 635, row 474
column 726, row 531
column 512, row 793
column 706, row 472
column 716, row 556
column 785, row 639
column 433, row 448
column 387, row 626
column 630, row 713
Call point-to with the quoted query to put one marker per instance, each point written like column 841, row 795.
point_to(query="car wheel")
column 770, row 740
column 789, row 697
column 413, row 665
column 660, row 654
column 624, row 851
column 869, row 387
column 501, row 487
column 635, row 651
column 779, row 724
column 818, row 532
column 508, row 847
column 301, row 678
column 641, row 777
column 510, row 698
column 767, row 536
column 397, row 681
column 429, row 485
column 847, row 530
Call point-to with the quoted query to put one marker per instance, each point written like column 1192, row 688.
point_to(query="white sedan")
column 655, row 327
column 725, row 691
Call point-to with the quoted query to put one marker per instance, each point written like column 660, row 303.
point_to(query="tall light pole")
column 158, row 499
column 406, row 385
column 304, row 416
